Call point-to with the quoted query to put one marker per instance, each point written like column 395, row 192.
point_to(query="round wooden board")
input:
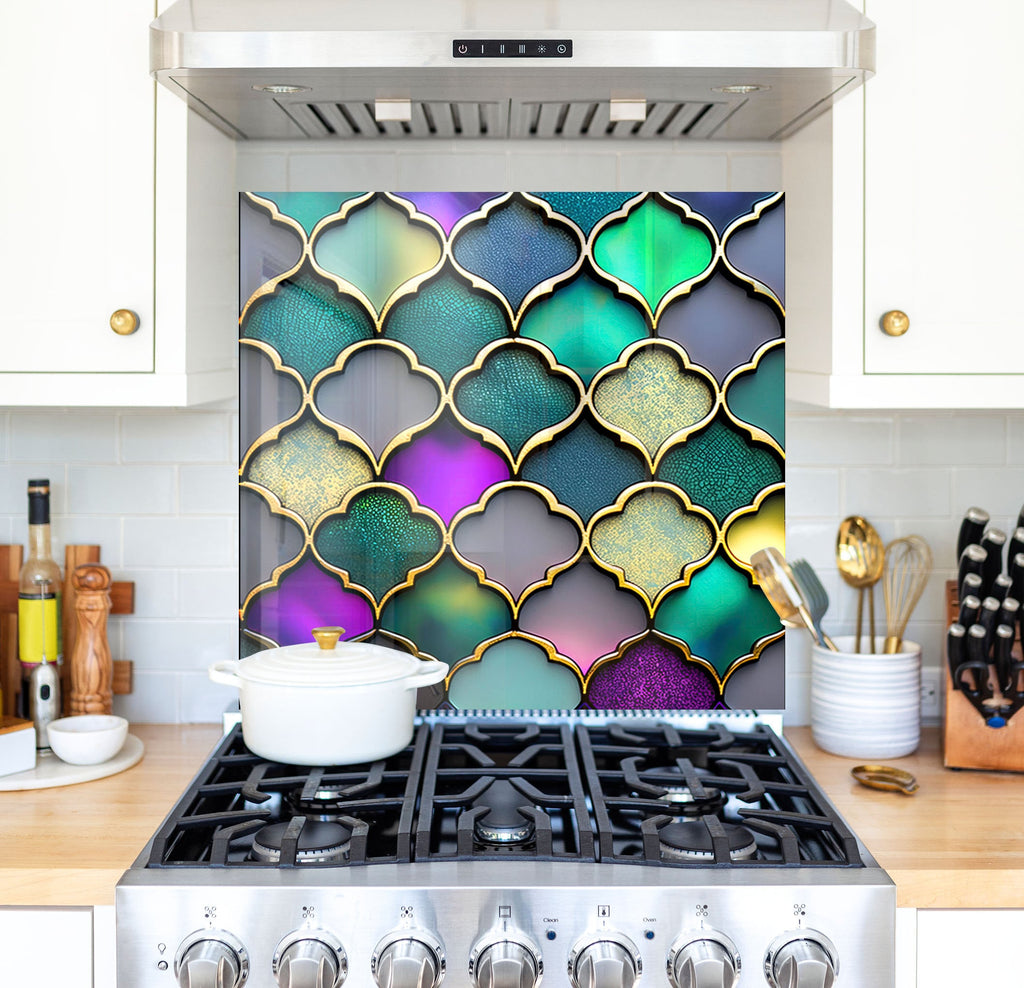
column 50, row 771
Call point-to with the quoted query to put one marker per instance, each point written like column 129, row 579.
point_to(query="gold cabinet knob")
column 124, row 322
column 895, row 323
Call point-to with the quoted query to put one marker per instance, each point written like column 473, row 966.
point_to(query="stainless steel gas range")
column 593, row 852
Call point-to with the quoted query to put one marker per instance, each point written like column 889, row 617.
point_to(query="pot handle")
column 224, row 672
column 433, row 672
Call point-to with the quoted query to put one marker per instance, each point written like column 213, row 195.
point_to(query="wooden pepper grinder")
column 92, row 670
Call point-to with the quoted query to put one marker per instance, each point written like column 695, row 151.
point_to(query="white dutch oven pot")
column 315, row 704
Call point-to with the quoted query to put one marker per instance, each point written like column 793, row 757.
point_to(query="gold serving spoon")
column 860, row 558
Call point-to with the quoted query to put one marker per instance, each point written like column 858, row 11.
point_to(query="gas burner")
column 502, row 824
column 682, row 801
column 691, row 841
column 318, row 843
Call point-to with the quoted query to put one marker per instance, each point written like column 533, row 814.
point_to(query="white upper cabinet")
column 108, row 207
column 905, row 199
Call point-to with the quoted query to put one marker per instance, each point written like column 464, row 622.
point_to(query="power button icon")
column 463, row 49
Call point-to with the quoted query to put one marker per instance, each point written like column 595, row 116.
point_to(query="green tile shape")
column 308, row 208
column 509, row 675
column 446, row 613
column 308, row 469
column 653, row 249
column 753, row 395
column 378, row 540
column 307, row 322
column 721, row 615
column 446, row 323
column 721, row 468
column 585, row 325
column 516, row 395
column 377, row 248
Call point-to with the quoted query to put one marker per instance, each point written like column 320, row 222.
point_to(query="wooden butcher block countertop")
column 957, row 843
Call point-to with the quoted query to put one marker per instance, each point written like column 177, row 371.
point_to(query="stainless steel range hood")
column 486, row 69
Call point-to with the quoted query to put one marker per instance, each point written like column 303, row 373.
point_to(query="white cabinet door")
column 958, row 947
column 903, row 198
column 78, row 186
column 46, row 947
column 944, row 149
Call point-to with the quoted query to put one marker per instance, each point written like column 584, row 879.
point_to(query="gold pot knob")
column 895, row 323
column 124, row 322
column 327, row 638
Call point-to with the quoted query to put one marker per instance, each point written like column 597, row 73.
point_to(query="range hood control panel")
column 512, row 48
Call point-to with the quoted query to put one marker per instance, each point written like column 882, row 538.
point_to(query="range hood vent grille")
column 354, row 119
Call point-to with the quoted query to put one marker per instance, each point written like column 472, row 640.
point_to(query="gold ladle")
column 860, row 558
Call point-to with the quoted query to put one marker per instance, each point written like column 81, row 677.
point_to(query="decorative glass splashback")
column 534, row 435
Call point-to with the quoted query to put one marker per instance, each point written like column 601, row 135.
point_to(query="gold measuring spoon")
column 860, row 558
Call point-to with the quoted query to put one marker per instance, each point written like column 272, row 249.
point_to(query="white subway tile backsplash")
column 947, row 439
column 156, row 592
column 999, row 490
column 101, row 530
column 825, row 439
column 203, row 701
column 208, row 593
column 580, row 167
column 154, row 699
column 122, row 490
column 896, row 493
column 811, row 492
column 180, row 645
column 176, row 437
column 179, row 542
column 469, row 172
column 755, row 172
column 14, row 478
column 76, row 437
column 211, row 490
column 693, row 173
column 348, row 172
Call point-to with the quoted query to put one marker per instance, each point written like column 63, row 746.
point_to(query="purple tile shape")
column 650, row 676
column 448, row 207
column 307, row 598
column 445, row 469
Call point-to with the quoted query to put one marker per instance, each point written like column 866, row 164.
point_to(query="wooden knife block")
column 967, row 741
column 122, row 598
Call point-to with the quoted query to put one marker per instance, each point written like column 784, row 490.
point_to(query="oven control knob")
column 801, row 959
column 408, row 960
column 211, row 959
column 709, row 960
column 505, row 963
column 607, row 961
column 310, row 959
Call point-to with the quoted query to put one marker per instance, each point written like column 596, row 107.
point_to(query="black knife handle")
column 973, row 524
column 971, row 586
column 956, row 650
column 1004, row 643
column 1020, row 518
column 972, row 560
column 1009, row 612
column 1016, row 544
column 1017, row 576
column 989, row 618
column 1001, row 587
column 993, row 542
column 977, row 660
column 970, row 608
column 979, row 671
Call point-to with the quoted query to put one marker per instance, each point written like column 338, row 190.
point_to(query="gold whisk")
column 908, row 562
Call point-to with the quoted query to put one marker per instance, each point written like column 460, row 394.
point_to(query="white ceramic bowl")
column 88, row 739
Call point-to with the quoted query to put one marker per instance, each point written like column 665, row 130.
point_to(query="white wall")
column 157, row 489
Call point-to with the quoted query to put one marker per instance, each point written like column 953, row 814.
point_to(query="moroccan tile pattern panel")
column 535, row 435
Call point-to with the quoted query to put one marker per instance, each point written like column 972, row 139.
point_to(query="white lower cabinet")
column 47, row 947
column 969, row 946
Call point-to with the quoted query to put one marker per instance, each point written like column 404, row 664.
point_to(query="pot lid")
column 328, row 662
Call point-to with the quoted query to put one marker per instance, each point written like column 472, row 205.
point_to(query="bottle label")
column 39, row 629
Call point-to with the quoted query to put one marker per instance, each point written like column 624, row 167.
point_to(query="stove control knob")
column 505, row 963
column 709, row 960
column 310, row 959
column 608, row 960
column 410, row 959
column 801, row 959
column 211, row 959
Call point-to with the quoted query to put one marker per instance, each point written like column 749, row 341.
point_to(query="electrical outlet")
column 931, row 694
